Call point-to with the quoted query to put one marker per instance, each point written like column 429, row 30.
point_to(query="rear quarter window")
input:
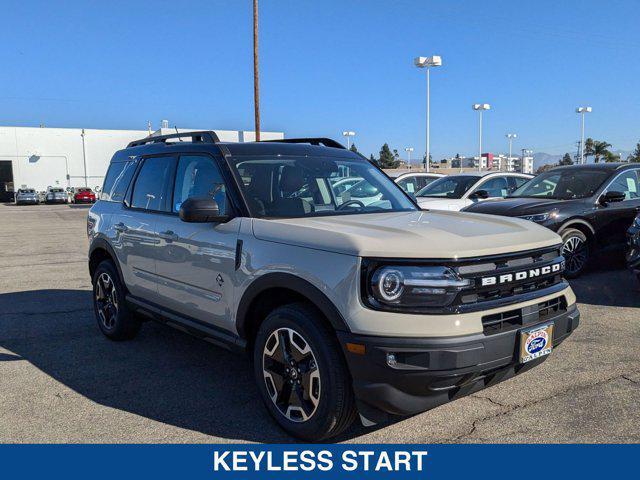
column 117, row 181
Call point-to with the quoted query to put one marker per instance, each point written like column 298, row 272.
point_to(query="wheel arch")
column 275, row 289
column 579, row 224
column 99, row 251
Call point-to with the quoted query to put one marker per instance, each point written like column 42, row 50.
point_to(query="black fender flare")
column 290, row 282
column 101, row 243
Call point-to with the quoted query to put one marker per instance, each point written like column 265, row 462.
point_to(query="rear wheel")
column 114, row 318
column 575, row 249
column 301, row 374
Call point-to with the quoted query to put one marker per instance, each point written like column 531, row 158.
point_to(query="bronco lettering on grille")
column 523, row 275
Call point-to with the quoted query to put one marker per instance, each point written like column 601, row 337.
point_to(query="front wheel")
column 302, row 375
column 575, row 250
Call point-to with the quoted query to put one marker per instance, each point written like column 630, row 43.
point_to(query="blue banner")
column 493, row 462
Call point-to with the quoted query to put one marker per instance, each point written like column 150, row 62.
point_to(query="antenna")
column 176, row 128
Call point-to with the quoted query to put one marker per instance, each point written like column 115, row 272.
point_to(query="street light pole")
column 510, row 136
column 409, row 150
column 427, row 62
column 348, row 134
column 480, row 107
column 582, row 111
column 256, row 80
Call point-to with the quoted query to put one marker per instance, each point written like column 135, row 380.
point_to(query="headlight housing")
column 541, row 217
column 410, row 287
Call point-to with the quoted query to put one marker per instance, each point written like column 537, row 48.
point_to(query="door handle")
column 120, row 227
column 169, row 236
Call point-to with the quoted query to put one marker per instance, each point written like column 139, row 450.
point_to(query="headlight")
column 411, row 287
column 541, row 217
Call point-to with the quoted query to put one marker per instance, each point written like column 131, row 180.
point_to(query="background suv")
column 590, row 206
column 27, row 196
column 344, row 307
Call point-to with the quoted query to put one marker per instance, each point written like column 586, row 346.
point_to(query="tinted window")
column 415, row 183
column 495, row 187
column 564, row 184
column 449, row 187
column 627, row 183
column 117, row 181
column 149, row 191
column 198, row 176
column 298, row 187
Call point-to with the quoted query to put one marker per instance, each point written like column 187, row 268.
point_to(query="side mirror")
column 201, row 210
column 479, row 195
column 612, row 197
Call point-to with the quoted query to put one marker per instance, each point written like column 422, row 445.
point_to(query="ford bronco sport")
column 381, row 309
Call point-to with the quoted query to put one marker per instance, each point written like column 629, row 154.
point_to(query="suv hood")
column 514, row 207
column 434, row 234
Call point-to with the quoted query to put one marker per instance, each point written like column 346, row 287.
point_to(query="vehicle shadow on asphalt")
column 163, row 374
column 608, row 284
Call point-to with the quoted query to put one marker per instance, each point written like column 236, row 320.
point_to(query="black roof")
column 608, row 166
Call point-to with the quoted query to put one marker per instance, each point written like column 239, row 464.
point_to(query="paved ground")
column 62, row 381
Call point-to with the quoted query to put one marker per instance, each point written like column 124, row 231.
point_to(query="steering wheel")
column 351, row 202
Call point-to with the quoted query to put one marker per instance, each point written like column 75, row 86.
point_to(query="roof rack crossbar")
column 205, row 136
column 327, row 142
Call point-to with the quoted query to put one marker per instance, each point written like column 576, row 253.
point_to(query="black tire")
column 576, row 250
column 115, row 319
column 334, row 407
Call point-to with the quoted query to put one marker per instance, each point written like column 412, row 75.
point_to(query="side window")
column 421, row 182
column 150, row 189
column 117, row 181
column 199, row 176
column 516, row 182
column 628, row 183
column 408, row 184
column 496, row 187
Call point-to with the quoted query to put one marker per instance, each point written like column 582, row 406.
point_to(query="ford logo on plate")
column 534, row 345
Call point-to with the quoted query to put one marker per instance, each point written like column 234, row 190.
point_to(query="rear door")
column 136, row 241
column 614, row 219
column 197, row 262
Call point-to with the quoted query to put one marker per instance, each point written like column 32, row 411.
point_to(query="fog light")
column 391, row 359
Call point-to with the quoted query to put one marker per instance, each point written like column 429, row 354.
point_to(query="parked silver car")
column 27, row 196
column 56, row 195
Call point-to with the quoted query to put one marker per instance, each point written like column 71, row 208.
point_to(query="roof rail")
column 205, row 136
column 327, row 142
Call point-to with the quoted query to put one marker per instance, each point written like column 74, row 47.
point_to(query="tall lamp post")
column 510, row 137
column 480, row 107
column 582, row 111
column 348, row 134
column 409, row 150
column 428, row 62
column 256, row 78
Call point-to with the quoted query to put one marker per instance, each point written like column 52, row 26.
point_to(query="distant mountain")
column 541, row 158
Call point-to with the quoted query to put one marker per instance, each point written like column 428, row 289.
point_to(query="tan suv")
column 380, row 309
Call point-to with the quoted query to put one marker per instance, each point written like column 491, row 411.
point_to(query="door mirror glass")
column 201, row 210
column 479, row 195
column 612, row 197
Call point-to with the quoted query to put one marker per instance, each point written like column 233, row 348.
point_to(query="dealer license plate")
column 536, row 342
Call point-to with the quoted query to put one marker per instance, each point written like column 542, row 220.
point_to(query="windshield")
column 563, row 184
column 449, row 187
column 277, row 187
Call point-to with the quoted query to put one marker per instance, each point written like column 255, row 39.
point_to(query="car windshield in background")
column 305, row 187
column 449, row 187
column 563, row 184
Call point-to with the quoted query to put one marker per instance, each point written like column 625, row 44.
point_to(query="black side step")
column 205, row 331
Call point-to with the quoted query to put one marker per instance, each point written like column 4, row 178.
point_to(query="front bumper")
column 26, row 201
column 434, row 371
column 56, row 200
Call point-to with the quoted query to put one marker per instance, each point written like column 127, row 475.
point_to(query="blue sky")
column 327, row 66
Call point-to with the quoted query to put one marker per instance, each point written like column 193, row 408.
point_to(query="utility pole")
column 256, row 79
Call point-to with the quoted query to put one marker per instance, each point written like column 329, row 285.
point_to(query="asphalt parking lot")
column 62, row 381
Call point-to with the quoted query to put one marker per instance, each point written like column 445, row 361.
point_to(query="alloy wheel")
column 291, row 374
column 575, row 253
column 106, row 300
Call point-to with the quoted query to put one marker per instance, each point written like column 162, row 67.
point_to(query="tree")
column 374, row 160
column 566, row 160
column 544, row 168
column 353, row 148
column 611, row 157
column 596, row 149
column 635, row 156
column 424, row 160
column 387, row 158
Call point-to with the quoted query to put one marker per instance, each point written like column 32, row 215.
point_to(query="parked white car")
column 413, row 182
column 455, row 192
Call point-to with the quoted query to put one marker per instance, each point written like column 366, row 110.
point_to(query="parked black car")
column 633, row 253
column 590, row 206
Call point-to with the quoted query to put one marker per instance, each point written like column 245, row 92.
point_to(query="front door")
column 196, row 268
column 613, row 220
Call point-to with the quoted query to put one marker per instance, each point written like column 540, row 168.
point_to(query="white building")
column 73, row 157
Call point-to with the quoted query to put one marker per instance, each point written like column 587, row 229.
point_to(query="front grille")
column 521, row 317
